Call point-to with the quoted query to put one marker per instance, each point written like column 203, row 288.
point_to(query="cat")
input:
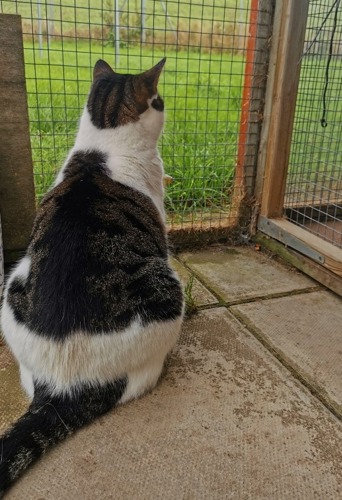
column 93, row 308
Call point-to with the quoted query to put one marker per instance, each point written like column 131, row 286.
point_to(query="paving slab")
column 240, row 274
column 226, row 421
column 200, row 294
column 306, row 331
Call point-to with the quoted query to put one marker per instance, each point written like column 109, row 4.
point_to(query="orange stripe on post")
column 246, row 99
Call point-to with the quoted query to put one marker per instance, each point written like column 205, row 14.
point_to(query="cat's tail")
column 49, row 420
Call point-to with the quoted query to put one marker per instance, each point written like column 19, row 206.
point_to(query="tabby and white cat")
column 93, row 308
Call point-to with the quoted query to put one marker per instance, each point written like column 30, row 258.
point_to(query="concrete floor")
column 249, row 408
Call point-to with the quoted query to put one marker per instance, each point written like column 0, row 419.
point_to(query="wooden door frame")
column 301, row 246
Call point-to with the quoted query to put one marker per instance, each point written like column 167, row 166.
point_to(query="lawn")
column 202, row 94
column 201, row 84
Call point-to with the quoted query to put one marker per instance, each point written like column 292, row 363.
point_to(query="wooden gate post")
column 281, row 93
column 17, row 196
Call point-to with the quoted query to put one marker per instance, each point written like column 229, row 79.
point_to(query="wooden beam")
column 287, row 46
column 17, row 196
column 304, row 264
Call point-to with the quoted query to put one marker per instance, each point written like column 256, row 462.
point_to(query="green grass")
column 191, row 306
column 202, row 95
column 202, row 89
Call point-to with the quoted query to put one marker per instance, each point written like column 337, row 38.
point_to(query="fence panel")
column 313, row 197
column 217, row 54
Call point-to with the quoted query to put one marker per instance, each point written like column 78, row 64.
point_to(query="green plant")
column 191, row 306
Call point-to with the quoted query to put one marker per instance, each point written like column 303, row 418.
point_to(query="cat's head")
column 117, row 100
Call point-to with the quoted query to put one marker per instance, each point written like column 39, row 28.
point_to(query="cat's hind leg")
column 26, row 380
column 142, row 380
column 143, row 377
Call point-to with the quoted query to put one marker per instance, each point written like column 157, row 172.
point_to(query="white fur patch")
column 137, row 351
column 131, row 149
column 21, row 271
column 26, row 380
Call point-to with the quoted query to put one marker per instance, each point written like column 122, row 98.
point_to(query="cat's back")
column 98, row 257
column 90, row 212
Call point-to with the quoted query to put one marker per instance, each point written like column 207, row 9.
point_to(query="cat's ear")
column 151, row 76
column 101, row 69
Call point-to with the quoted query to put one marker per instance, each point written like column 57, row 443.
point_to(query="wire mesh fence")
column 313, row 197
column 209, row 54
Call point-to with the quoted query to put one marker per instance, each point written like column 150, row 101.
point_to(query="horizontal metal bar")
column 270, row 228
